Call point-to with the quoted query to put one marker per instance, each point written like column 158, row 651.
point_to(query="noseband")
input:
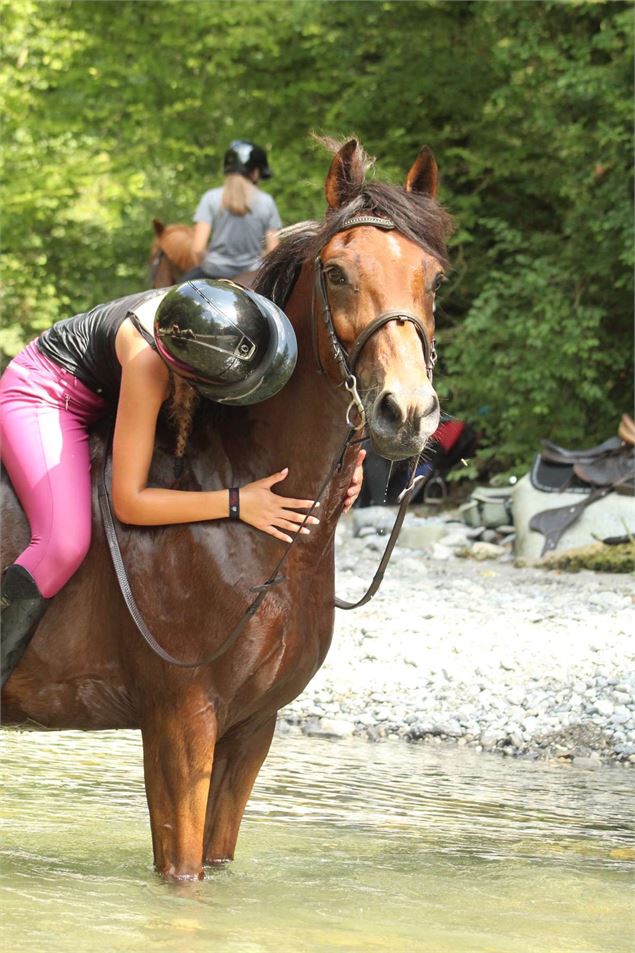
column 347, row 361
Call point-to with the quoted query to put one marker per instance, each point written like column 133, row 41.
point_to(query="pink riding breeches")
column 45, row 413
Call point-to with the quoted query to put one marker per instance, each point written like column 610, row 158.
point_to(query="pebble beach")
column 462, row 647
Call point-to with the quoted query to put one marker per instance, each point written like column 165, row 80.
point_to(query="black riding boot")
column 22, row 607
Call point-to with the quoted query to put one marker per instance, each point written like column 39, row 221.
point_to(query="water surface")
column 345, row 846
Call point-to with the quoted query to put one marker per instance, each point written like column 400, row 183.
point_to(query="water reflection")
column 345, row 846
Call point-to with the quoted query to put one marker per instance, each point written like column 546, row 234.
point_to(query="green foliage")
column 117, row 112
column 597, row 557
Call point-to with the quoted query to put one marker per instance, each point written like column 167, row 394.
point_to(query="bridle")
column 346, row 361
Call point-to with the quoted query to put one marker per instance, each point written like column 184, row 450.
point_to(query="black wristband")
column 234, row 503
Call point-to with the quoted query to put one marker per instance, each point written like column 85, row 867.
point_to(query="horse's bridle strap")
column 399, row 316
column 347, row 360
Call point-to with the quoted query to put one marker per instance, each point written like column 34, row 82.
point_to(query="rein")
column 261, row 591
column 346, row 363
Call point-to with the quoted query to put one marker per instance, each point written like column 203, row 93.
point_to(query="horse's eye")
column 438, row 281
column 336, row 275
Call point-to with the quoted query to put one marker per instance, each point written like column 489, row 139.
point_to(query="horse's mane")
column 416, row 216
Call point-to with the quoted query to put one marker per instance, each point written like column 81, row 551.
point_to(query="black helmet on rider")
column 233, row 345
column 243, row 157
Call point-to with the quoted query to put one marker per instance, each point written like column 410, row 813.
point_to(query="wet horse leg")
column 178, row 753
column 237, row 761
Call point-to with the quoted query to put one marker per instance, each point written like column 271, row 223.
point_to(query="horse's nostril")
column 389, row 411
column 433, row 407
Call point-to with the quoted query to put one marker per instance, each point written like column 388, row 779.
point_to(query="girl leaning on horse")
column 201, row 340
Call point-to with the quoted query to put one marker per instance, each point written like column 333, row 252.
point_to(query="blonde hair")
column 238, row 193
column 184, row 400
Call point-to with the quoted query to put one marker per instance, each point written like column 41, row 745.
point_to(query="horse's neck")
column 313, row 403
column 304, row 427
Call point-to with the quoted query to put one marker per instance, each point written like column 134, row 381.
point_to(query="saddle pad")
column 555, row 477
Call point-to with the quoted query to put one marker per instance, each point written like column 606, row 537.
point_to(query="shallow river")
column 345, row 846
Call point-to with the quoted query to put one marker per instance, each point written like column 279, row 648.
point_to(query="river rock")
column 483, row 551
column 421, row 536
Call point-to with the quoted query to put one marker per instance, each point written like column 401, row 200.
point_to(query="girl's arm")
column 144, row 387
column 202, row 231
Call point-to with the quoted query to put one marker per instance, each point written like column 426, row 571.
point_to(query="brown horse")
column 206, row 730
column 171, row 253
column 171, row 256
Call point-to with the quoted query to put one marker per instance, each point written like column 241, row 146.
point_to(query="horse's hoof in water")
column 172, row 876
column 217, row 861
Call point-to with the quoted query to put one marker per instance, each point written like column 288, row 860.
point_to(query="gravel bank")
column 473, row 651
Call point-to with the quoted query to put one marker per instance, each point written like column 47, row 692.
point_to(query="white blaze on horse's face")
column 370, row 272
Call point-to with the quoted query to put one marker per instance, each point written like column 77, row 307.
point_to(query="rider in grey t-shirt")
column 237, row 240
column 242, row 220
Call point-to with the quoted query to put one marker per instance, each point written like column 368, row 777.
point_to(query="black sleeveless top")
column 85, row 344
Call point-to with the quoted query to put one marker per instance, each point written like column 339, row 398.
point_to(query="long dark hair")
column 181, row 408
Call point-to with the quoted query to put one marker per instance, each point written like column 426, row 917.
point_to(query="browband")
column 384, row 223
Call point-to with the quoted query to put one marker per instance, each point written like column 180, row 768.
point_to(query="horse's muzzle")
column 399, row 424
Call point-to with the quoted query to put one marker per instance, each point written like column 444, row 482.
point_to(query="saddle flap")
column 553, row 523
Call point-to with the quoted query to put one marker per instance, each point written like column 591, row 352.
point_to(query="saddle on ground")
column 592, row 473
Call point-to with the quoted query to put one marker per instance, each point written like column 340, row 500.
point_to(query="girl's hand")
column 356, row 483
column 271, row 513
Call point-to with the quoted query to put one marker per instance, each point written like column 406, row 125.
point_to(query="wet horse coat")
column 207, row 730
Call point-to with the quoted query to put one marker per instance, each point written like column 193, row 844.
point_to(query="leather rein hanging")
column 346, row 363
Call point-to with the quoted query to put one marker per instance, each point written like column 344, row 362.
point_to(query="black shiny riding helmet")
column 235, row 346
column 244, row 157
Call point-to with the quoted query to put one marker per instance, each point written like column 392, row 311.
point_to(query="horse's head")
column 171, row 253
column 377, row 261
column 379, row 282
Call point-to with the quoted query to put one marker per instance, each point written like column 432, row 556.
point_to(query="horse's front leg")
column 237, row 761
column 178, row 752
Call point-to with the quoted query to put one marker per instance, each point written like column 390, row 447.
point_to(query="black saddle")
column 558, row 454
column 591, row 473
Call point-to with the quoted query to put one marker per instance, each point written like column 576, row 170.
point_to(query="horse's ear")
column 158, row 226
column 346, row 176
column 424, row 174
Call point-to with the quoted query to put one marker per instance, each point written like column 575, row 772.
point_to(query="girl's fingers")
column 298, row 517
column 272, row 531
column 281, row 523
column 297, row 504
column 274, row 478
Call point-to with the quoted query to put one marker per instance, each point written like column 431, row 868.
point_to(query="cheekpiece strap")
column 375, row 220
